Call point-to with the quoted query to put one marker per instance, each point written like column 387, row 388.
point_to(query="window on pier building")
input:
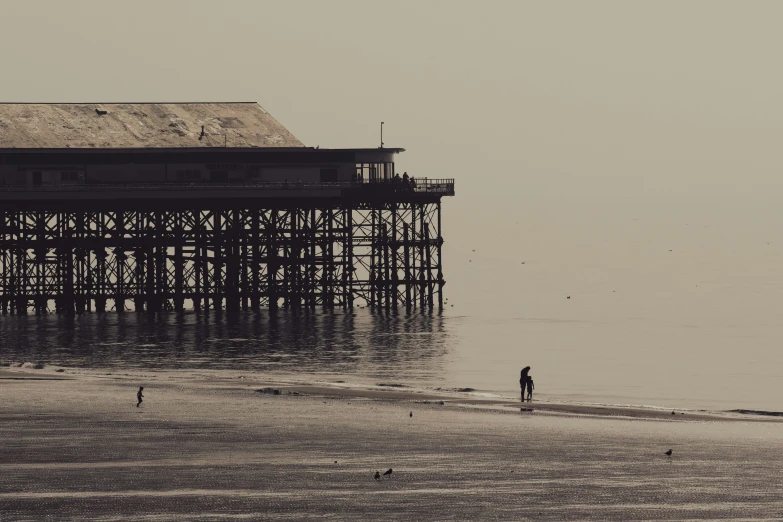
column 328, row 175
column 374, row 172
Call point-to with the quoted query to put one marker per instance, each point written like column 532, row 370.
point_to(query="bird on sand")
column 668, row 453
column 568, row 297
column 377, row 476
column 389, row 472
column 411, row 414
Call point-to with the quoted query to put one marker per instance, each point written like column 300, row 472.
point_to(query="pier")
column 216, row 207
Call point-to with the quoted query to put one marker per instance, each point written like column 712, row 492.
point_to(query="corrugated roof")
column 139, row 125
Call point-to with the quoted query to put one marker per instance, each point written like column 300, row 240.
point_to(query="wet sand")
column 457, row 398
column 210, row 446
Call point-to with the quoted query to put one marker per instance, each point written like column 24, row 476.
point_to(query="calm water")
column 410, row 349
column 423, row 351
column 671, row 306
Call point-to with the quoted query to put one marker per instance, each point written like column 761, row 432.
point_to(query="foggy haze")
column 627, row 152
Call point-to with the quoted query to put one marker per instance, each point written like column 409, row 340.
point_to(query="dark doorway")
column 37, row 179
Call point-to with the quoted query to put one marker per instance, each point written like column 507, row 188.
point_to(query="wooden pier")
column 157, row 207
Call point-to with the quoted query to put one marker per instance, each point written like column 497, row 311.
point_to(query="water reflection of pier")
column 362, row 343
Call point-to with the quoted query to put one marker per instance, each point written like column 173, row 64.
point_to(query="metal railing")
column 442, row 185
column 415, row 185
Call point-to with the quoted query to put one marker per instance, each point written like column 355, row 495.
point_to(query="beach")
column 224, row 445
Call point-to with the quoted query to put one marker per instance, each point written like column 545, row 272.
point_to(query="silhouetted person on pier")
column 523, row 380
column 139, row 396
column 396, row 182
column 530, row 388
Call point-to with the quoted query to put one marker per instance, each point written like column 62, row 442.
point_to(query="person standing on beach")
column 530, row 388
column 523, row 380
column 139, row 396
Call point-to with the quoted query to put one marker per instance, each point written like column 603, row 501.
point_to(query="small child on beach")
column 530, row 388
column 139, row 396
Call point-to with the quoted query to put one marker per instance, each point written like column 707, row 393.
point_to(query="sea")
column 668, row 305
column 421, row 351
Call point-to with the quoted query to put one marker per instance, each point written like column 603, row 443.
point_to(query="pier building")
column 173, row 206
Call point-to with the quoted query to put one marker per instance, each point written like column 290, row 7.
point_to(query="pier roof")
column 140, row 126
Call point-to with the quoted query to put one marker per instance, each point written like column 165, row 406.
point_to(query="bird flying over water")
column 668, row 453
column 388, row 472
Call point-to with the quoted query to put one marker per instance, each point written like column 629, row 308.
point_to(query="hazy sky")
column 584, row 136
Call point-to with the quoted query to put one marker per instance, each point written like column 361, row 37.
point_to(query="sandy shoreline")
column 528, row 407
column 206, row 447
column 392, row 392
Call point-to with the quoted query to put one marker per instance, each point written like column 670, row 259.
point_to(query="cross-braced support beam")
column 383, row 254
